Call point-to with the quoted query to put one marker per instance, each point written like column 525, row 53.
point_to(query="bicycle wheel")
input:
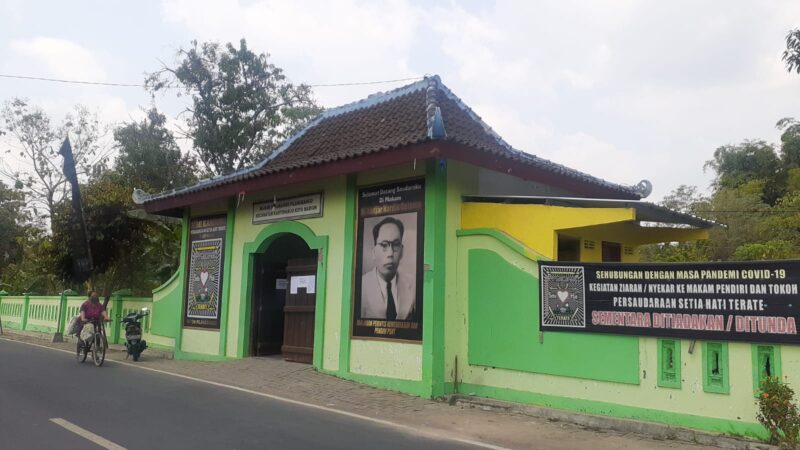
column 98, row 350
column 81, row 351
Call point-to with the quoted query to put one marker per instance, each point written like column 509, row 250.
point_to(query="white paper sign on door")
column 304, row 281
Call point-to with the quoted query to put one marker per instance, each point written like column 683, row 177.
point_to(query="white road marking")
column 430, row 434
column 86, row 434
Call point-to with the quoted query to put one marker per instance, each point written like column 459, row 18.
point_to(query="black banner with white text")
column 732, row 301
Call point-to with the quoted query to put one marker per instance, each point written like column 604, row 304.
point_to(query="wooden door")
column 298, row 328
column 612, row 252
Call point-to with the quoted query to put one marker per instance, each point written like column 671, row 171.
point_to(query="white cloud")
column 319, row 42
column 579, row 150
column 625, row 89
column 622, row 89
column 60, row 58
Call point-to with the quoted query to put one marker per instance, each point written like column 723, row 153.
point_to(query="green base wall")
column 729, row 427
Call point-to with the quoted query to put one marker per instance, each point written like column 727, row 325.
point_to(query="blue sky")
column 621, row 89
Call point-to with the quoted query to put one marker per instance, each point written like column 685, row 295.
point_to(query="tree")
column 744, row 212
column 146, row 148
column 791, row 56
column 34, row 269
column 736, row 165
column 127, row 252
column 243, row 107
column 36, row 142
column 12, row 218
column 685, row 199
column 790, row 142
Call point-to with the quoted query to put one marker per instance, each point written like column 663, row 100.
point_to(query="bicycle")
column 97, row 345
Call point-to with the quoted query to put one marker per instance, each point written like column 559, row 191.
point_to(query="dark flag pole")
column 82, row 265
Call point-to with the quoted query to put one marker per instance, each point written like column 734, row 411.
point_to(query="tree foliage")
column 127, row 251
column 790, row 142
column 736, row 165
column 756, row 193
column 149, row 158
column 243, row 107
column 35, row 143
column 791, row 55
column 12, row 219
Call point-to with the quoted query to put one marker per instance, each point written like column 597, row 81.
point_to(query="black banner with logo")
column 206, row 271
column 734, row 301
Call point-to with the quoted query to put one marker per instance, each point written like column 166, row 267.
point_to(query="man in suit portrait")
column 385, row 292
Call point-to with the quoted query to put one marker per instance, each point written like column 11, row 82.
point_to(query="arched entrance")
column 284, row 299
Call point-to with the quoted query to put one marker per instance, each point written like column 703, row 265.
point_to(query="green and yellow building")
column 273, row 258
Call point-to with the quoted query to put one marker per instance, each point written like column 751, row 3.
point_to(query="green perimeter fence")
column 50, row 314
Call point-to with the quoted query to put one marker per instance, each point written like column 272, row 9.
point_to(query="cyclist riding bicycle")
column 92, row 311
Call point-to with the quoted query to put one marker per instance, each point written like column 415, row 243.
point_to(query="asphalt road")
column 138, row 409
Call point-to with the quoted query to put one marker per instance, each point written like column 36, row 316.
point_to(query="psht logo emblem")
column 563, row 299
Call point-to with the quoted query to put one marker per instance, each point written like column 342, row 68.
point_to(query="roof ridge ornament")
column 434, row 118
column 643, row 188
column 139, row 196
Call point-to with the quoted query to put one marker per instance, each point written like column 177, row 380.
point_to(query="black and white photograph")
column 387, row 285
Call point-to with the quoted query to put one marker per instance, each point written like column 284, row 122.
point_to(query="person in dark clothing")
column 92, row 310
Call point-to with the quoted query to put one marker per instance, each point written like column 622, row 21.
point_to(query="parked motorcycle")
column 133, row 333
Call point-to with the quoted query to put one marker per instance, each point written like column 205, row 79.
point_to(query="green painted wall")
column 332, row 335
column 434, row 288
column 200, row 341
column 503, row 328
column 191, row 343
column 462, row 179
column 331, row 227
column 386, row 359
column 689, row 406
column 375, row 357
column 165, row 318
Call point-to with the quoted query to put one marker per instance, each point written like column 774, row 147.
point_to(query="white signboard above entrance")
column 302, row 207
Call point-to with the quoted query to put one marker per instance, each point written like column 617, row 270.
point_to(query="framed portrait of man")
column 387, row 300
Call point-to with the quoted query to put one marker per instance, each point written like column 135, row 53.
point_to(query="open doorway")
column 612, row 252
column 284, row 300
column 569, row 248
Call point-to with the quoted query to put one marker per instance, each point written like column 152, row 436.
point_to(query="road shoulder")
column 467, row 421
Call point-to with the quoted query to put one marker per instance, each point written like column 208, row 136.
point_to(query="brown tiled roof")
column 425, row 111
column 386, row 125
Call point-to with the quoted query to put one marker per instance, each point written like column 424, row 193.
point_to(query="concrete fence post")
column 58, row 336
column 2, row 293
column 117, row 312
column 25, row 305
